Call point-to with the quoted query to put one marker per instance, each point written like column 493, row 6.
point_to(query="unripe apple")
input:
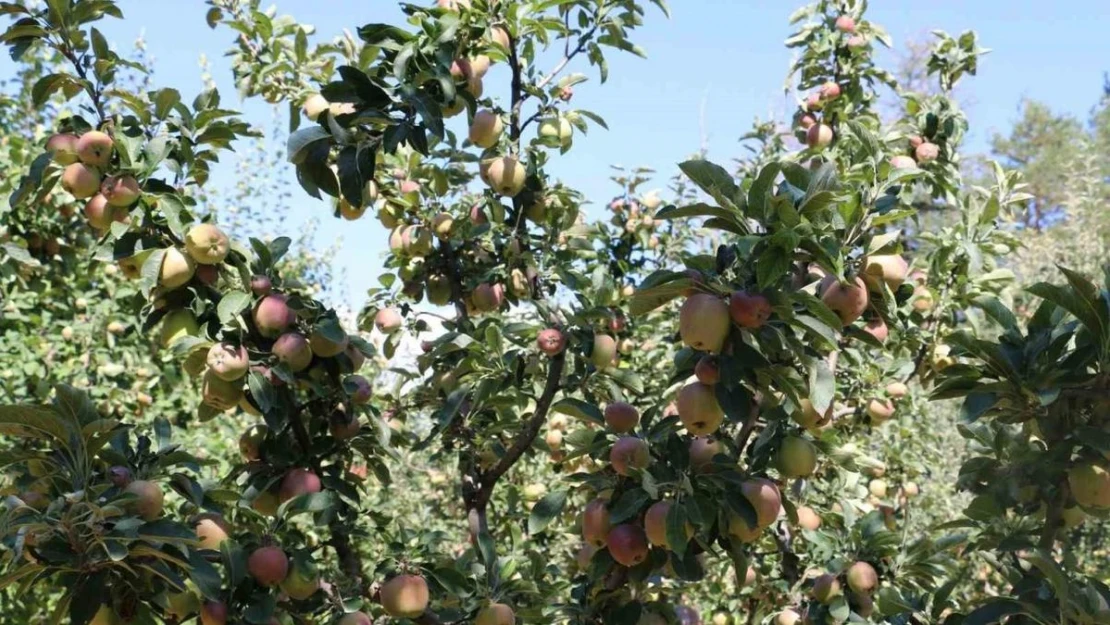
column 302, row 581
column 506, row 176
column 177, row 269
column 228, row 361
column 211, row 531
column 739, row 529
column 910, row 490
column 765, row 498
column 877, row 488
column 81, row 180
column 880, row 410
column 297, row 482
column 628, row 544
column 826, row 588
column 495, row 614
column 797, row 457
column 877, row 328
column 67, row 333
column 148, row 499
column 621, row 417
column 326, row 347
column 314, row 106
column 486, row 128
column 629, row 453
column 351, row 212
column 708, row 370
column 293, row 350
column 181, row 605
column 442, row 225
column 902, row 161
column 808, row 417
column 213, row 613
column 117, row 328
column 848, row 301
column 926, row 152
column 272, row 315
column 788, row 617
column 94, row 148
column 702, row 451
column 354, row 618
column 63, row 147
column 595, row 523
column 120, row 191
column 655, row 524
column 604, row 351
column 268, row 565
column 862, row 577
column 519, row 284
column 453, row 107
column 830, row 90
column 177, row 325
column 219, row 393
column 897, row 390
column 554, row 439
column 1090, row 485
column 922, row 299
column 266, row 503
column 846, row 24
column 405, row 596
column 251, row 440
column 749, row 310
column 703, row 322
column 889, row 268
column 699, row 410
column 819, row 136
column 488, row 297
column 557, row 130
column 808, row 519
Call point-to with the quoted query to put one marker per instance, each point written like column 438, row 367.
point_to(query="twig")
column 748, row 427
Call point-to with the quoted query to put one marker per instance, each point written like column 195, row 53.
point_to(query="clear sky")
column 724, row 55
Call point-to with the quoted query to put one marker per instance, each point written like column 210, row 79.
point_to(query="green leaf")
column 628, row 505
column 760, row 191
column 646, row 300
column 231, row 305
column 822, row 385
column 302, row 140
column 676, row 528
column 713, row 179
column 993, row 612
column 700, row 209
column 546, row 510
column 164, row 101
column 578, row 409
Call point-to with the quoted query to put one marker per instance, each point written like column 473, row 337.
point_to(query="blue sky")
column 725, row 55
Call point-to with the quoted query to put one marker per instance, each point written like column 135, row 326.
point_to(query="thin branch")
column 748, row 427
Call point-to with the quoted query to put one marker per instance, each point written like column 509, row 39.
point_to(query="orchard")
column 772, row 395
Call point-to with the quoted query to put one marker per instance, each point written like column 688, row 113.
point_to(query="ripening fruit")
column 897, row 390
column 877, row 488
column 788, row 617
column 890, row 268
column 219, row 393
column 629, row 453
column 405, row 596
column 119, row 475
column 862, row 577
column 292, row 349
column 388, row 320
column 557, row 129
column 848, row 301
column 176, row 325
column 808, row 417
column 80, row 180
column 302, row 581
column 551, row 341
column 708, row 370
column 250, row 441
column 628, row 544
column 926, row 152
column 910, row 490
column 148, row 499
column 297, row 482
column 94, row 148
column 846, row 24
column 325, row 347
column 488, row 297
column 880, row 410
column 99, row 214
column 703, row 322
column 739, row 529
column 702, row 451
column 182, row 605
column 362, row 390
column 211, row 530
column 120, row 191
column 417, row 240
column 495, row 614
column 622, row 418
column 902, row 161
column 1090, row 485
column 442, row 225
column 63, row 147
column 213, row 613
column 655, row 524
column 354, row 618
column 486, row 128
column 830, row 90
column 268, row 565
column 314, row 105
column 765, row 498
column 604, row 351
column 808, row 519
column 819, row 136
column 878, row 329
column 699, row 410
column 797, row 457
column 177, row 269
column 272, row 315
column 807, row 121
column 922, row 298
column 595, row 523
column 749, row 310
column 228, row 361
column 826, row 588
column 477, row 66
column 506, row 176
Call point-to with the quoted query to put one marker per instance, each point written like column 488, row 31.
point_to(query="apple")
column 486, row 128
column 314, row 105
column 595, row 523
column 388, row 320
column 302, row 581
column 819, row 136
column 495, row 614
column 765, row 498
column 211, row 530
column 829, row 90
column 702, row 451
column 621, row 417
column 846, row 24
column 862, row 604
column 354, row 618
column 63, row 147
column 629, row 453
column 655, row 524
column 910, row 490
column 228, row 361
column 325, row 347
column 699, row 410
column 213, row 613
column 405, row 596
column 826, row 588
column 877, row 488
column 219, row 393
column 362, row 390
column 926, row 152
column 119, row 476
column 100, row 214
column 788, row 617
column 813, row 102
column 120, row 191
column 703, row 322
column 797, row 457
column 94, row 148
column 739, row 529
column 628, row 544
column 862, row 577
column 557, row 130
column 148, row 499
column 922, row 298
column 749, row 310
column 266, row 503
column 176, row 325
column 272, row 315
column 442, row 225
column 808, row 519
column 208, row 275
column 417, row 240
column 902, row 161
column 877, row 328
column 488, row 297
column 708, row 370
column 268, row 565
column 897, row 390
column 1090, row 485
column 478, row 66
column 848, row 301
column 474, row 86
column 181, row 605
column 297, row 482
column 351, row 212
column 604, row 351
column 250, row 441
column 880, row 410
column 807, row 121
column 506, row 176
column 889, row 268
column 261, row 285
column 80, row 180
column 808, row 417
column 177, row 269
column 292, row 349
column 551, row 341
